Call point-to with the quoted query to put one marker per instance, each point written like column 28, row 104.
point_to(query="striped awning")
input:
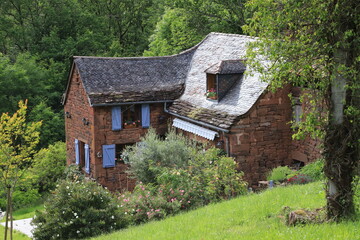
column 195, row 129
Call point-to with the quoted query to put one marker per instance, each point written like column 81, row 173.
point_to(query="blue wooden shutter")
column 145, row 115
column 116, row 118
column 77, row 152
column 87, row 158
column 109, row 156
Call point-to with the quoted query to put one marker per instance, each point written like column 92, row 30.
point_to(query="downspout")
column 227, row 145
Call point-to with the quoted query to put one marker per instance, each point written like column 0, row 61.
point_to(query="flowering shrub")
column 207, row 177
column 78, row 209
column 299, row 179
column 144, row 204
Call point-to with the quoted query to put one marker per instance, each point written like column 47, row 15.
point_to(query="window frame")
column 212, row 84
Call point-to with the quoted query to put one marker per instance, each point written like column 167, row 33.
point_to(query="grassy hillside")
column 248, row 217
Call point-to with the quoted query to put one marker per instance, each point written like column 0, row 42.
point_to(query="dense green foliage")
column 177, row 175
column 314, row 170
column 18, row 140
column 77, row 209
column 145, row 156
column 38, row 38
column 251, row 217
column 49, row 166
column 315, row 44
column 46, row 169
column 279, row 174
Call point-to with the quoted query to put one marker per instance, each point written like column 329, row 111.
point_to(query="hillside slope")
column 249, row 217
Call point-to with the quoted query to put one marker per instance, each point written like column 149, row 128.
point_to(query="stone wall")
column 97, row 132
column 76, row 109
column 116, row 178
column 261, row 139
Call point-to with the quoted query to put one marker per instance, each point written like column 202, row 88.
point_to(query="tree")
column 315, row 44
column 18, row 140
column 175, row 32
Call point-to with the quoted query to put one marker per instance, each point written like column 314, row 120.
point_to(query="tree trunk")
column 11, row 216
column 7, row 212
column 341, row 150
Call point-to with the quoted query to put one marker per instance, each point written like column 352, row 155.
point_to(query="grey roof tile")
column 115, row 80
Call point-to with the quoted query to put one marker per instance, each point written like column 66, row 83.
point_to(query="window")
column 130, row 116
column 87, row 158
column 112, row 154
column 108, row 156
column 211, row 87
column 116, row 117
column 82, row 155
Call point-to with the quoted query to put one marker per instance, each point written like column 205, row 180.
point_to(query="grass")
column 27, row 212
column 248, row 217
column 16, row 235
column 22, row 213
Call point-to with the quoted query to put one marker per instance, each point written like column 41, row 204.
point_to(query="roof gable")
column 120, row 80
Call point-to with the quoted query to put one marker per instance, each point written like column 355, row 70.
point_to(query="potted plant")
column 131, row 124
column 211, row 93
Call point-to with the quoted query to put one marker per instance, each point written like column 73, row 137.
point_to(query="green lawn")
column 22, row 213
column 248, row 217
column 17, row 235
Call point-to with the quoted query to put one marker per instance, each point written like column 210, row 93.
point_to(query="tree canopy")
column 315, row 45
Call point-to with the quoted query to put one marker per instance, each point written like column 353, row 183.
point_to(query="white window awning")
column 195, row 129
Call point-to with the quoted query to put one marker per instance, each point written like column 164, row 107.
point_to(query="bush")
column 209, row 177
column 145, row 203
column 279, row 174
column 299, row 179
column 49, row 166
column 25, row 193
column 78, row 209
column 314, row 170
column 173, row 152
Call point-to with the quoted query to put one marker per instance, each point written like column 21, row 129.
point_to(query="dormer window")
column 221, row 77
column 211, row 87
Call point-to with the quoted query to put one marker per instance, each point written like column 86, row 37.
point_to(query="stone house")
column 206, row 92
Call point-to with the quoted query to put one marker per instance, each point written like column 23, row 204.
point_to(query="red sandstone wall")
column 77, row 105
column 99, row 133
column 307, row 150
column 261, row 140
column 116, row 178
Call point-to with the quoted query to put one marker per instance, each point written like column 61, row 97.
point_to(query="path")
column 23, row 226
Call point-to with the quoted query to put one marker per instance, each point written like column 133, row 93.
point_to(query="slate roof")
column 227, row 67
column 211, row 54
column 121, row 80
column 181, row 77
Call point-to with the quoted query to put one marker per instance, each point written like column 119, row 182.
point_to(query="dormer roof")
column 217, row 49
column 227, row 67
